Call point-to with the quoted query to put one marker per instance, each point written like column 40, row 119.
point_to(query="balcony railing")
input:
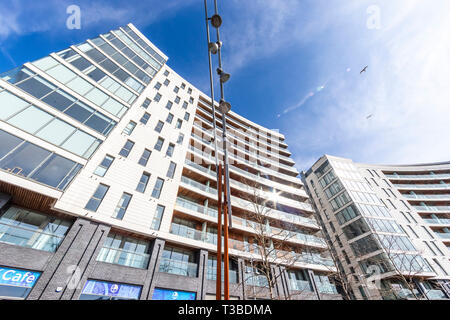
column 436, row 295
column 181, row 268
column 432, row 208
column 327, row 288
column 300, row 285
column 419, row 176
column 443, row 235
column 123, row 257
column 29, row 237
column 428, row 196
column 423, row 186
column 437, row 221
column 212, row 275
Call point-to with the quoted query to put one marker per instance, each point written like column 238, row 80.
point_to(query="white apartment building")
column 387, row 226
column 108, row 186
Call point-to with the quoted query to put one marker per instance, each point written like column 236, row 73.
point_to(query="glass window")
column 166, row 82
column 97, row 198
column 158, row 188
column 177, row 100
column 122, row 206
column 157, row 97
column 61, row 73
column 32, row 229
column 144, row 158
column 126, row 148
column 145, row 118
column 169, row 118
column 176, row 89
column 80, row 86
column 54, row 171
column 79, row 111
column 157, row 86
column 187, row 116
column 81, row 144
column 159, row 144
column 180, row 138
column 56, row 132
column 146, row 103
column 171, row 171
column 97, row 96
column 159, row 126
column 185, row 105
column 104, row 166
column 179, row 124
column 169, row 105
column 37, row 87
column 24, row 159
column 142, row 185
column 170, row 150
column 8, row 142
column 156, row 223
column 46, row 63
column 10, row 104
column 101, row 290
column 31, row 119
column 59, row 99
column 129, row 128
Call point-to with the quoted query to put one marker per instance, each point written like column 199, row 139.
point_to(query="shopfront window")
column 16, row 283
column 102, row 290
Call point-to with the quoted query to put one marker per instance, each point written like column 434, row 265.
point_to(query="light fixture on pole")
column 213, row 47
column 224, row 77
column 216, row 21
column 224, row 106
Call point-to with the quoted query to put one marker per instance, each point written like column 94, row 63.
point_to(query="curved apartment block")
column 108, row 185
column 391, row 221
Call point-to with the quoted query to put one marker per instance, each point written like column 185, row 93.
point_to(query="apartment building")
column 387, row 226
column 108, row 186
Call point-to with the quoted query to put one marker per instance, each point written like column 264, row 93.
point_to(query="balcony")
column 423, row 186
column 441, row 197
column 436, row 295
column 438, row 221
column 418, row 176
column 443, row 235
column 182, row 268
column 300, row 285
column 432, row 208
column 212, row 275
column 123, row 257
column 327, row 288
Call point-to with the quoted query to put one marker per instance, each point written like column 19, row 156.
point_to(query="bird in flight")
column 364, row 70
column 369, row 116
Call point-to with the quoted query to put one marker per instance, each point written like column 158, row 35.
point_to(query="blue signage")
column 18, row 278
column 164, row 294
column 101, row 288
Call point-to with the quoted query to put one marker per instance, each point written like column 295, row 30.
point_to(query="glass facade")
column 125, row 251
column 27, row 160
column 178, row 261
column 32, row 229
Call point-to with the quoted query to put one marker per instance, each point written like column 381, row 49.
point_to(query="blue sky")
column 295, row 65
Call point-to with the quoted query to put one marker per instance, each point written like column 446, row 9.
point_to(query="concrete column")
column 311, row 279
column 68, row 269
column 280, row 283
column 202, row 271
column 152, row 269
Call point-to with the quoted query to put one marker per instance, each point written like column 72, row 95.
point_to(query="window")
column 125, row 251
column 142, row 185
column 191, row 100
column 144, row 158
column 126, row 148
column 156, row 223
column 158, row 188
column 159, row 144
column 183, row 85
column 166, row 73
column 176, row 89
column 185, row 105
column 170, row 150
column 169, row 118
column 96, row 290
column 180, row 138
column 186, row 116
column 166, row 82
column 129, row 128
column 179, row 124
column 177, row 100
column 171, row 171
column 159, row 126
column 145, row 118
column 169, row 105
column 189, row 91
column 97, row 198
column 104, row 166
column 146, row 103
column 25, row 228
column 157, row 97
column 157, row 86
column 122, row 206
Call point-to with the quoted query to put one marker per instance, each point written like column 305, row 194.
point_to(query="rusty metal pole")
column 219, row 234
column 226, row 280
